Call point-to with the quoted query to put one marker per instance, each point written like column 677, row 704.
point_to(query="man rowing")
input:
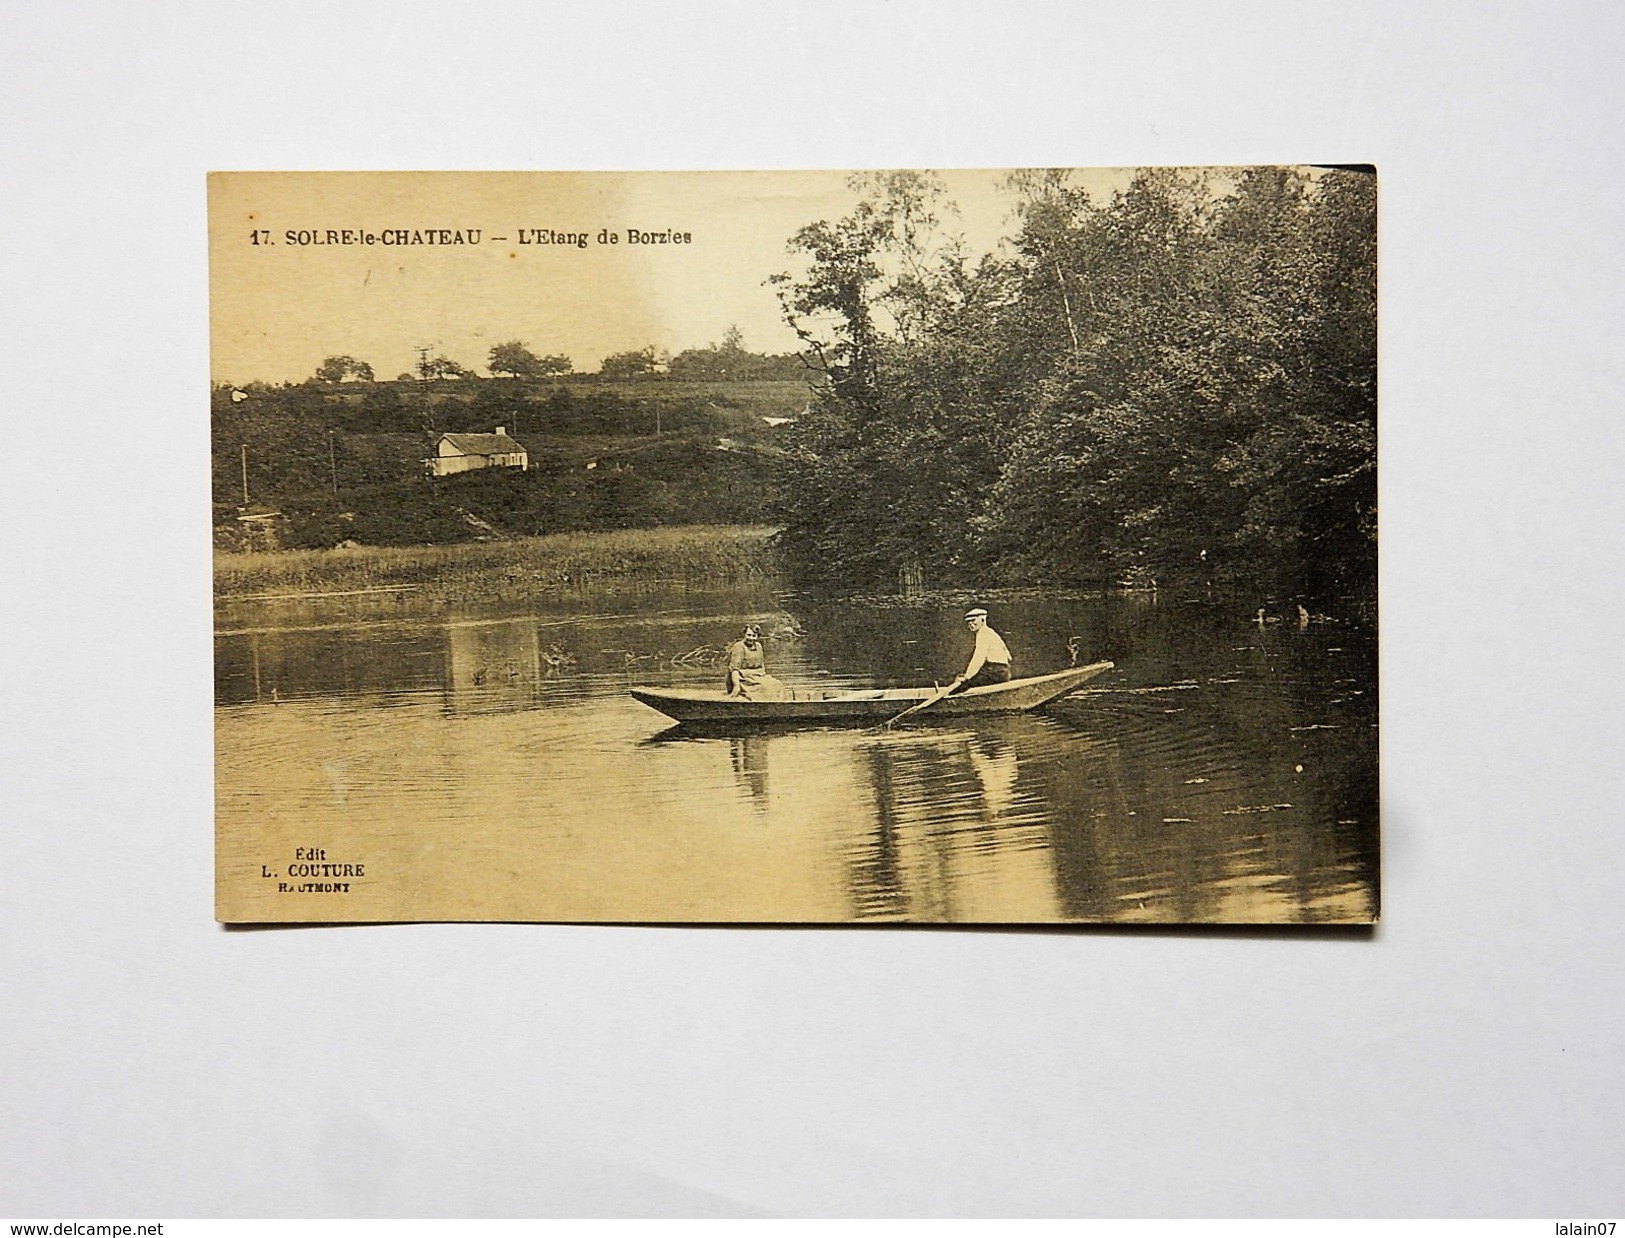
column 989, row 658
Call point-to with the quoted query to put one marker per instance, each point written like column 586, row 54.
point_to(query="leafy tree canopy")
column 730, row 362
column 436, row 366
column 514, row 358
column 634, row 364
column 1176, row 383
column 339, row 369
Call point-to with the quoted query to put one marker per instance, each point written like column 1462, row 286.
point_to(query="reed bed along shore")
column 507, row 570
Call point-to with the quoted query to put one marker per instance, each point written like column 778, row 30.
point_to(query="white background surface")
column 1467, row 1059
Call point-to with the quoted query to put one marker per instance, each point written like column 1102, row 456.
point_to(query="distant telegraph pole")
column 423, row 375
column 245, row 474
column 333, row 463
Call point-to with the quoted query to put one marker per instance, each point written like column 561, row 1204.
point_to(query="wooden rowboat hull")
column 842, row 708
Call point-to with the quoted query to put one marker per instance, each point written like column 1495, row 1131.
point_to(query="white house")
column 459, row 453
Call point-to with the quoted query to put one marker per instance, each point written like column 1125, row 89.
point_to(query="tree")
column 724, row 362
column 1177, row 382
column 513, row 359
column 886, row 474
column 338, row 369
column 433, row 367
column 627, row 365
column 1218, row 404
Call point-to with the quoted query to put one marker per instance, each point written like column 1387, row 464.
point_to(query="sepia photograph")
column 931, row 547
column 800, row 618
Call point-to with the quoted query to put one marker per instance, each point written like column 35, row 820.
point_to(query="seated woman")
column 747, row 670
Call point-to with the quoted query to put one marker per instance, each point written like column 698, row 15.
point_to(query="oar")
column 919, row 705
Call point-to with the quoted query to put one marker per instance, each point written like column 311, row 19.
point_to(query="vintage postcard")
column 796, row 547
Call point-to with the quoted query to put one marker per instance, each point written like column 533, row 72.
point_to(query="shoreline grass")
column 508, row 570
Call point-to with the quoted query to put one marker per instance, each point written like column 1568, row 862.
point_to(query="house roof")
column 483, row 444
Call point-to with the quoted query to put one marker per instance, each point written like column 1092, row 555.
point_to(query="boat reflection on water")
column 1024, row 817
column 950, row 841
column 1223, row 773
column 749, row 753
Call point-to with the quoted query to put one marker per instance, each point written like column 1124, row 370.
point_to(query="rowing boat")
column 878, row 705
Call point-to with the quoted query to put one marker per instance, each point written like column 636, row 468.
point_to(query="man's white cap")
column 976, row 613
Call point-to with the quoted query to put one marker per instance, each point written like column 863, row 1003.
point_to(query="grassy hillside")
column 509, row 570
column 604, row 455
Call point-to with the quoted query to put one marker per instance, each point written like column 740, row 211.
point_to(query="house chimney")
column 501, row 430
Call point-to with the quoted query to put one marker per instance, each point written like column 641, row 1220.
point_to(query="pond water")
column 490, row 765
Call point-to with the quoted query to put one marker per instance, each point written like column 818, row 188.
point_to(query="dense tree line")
column 730, row 361
column 1176, row 384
